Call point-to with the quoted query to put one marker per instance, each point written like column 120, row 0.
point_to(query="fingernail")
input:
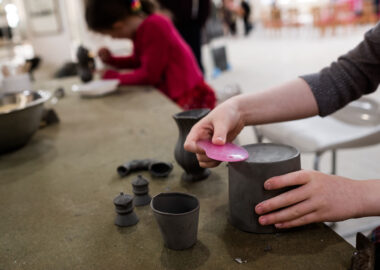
column 279, row 225
column 259, row 209
column 267, row 185
column 262, row 220
column 220, row 139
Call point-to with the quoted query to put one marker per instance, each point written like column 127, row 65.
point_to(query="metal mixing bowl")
column 20, row 117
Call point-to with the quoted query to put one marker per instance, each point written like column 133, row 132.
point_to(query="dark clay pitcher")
column 188, row 161
column 246, row 182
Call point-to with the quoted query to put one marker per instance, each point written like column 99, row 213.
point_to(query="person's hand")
column 318, row 198
column 105, row 55
column 221, row 125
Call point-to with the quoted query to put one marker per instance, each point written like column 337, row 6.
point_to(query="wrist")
column 368, row 197
column 237, row 105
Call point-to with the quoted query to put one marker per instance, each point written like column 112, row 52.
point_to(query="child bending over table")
column 160, row 56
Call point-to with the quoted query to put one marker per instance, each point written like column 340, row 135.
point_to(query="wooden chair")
column 293, row 18
column 323, row 18
column 272, row 20
column 368, row 15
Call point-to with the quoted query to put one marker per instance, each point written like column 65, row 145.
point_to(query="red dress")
column 162, row 58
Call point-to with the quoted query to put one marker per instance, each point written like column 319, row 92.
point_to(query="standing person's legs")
column 246, row 25
column 233, row 29
column 246, row 18
column 191, row 33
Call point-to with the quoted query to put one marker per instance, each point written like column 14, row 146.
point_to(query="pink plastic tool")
column 228, row 152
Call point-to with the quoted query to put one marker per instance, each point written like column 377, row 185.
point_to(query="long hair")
column 103, row 14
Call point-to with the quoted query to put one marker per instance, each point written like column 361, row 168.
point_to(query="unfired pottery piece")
column 124, row 209
column 177, row 216
column 188, row 161
column 141, row 191
column 246, row 182
column 155, row 167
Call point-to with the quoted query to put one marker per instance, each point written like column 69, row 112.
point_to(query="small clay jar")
column 141, row 190
column 124, row 209
column 246, row 182
column 187, row 160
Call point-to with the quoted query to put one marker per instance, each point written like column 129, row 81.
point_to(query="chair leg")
column 333, row 161
column 258, row 134
column 317, row 159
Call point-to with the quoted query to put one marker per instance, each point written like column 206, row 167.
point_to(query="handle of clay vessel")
column 134, row 165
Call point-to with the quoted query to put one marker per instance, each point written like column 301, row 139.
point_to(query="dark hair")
column 102, row 14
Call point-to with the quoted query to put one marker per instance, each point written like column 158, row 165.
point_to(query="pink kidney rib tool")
column 228, row 152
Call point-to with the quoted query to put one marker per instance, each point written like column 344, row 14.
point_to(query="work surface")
column 56, row 198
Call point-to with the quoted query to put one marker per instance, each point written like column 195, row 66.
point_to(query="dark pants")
column 247, row 13
column 191, row 33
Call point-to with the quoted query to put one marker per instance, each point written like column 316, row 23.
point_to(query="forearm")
column 137, row 77
column 123, row 62
column 289, row 101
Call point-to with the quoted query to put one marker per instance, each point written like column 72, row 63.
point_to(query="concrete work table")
column 56, row 198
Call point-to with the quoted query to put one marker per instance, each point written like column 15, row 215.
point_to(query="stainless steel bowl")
column 20, row 117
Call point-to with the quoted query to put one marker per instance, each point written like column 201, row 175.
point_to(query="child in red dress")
column 160, row 58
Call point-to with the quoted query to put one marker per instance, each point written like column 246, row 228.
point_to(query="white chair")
column 356, row 125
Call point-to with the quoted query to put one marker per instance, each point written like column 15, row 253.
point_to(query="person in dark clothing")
column 189, row 17
column 229, row 15
column 246, row 7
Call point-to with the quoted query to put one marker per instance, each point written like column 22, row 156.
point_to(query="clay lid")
column 140, row 182
column 123, row 199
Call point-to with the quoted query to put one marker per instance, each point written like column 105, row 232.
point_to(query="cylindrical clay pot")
column 246, row 182
column 177, row 215
column 188, row 161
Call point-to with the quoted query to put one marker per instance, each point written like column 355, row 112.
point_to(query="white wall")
column 55, row 49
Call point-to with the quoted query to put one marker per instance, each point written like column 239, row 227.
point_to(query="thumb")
column 220, row 133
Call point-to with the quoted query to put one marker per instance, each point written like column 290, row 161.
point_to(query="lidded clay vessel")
column 124, row 209
column 141, row 191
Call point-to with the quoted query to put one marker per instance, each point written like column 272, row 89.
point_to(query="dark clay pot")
column 246, row 182
column 188, row 161
column 155, row 167
column 177, row 215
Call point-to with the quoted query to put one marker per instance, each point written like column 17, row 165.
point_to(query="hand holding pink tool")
column 229, row 152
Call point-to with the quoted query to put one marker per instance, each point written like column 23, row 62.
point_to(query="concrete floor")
column 265, row 59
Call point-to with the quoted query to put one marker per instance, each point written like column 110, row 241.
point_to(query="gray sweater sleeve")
column 354, row 74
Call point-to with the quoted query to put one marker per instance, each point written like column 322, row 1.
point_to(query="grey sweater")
column 354, row 74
